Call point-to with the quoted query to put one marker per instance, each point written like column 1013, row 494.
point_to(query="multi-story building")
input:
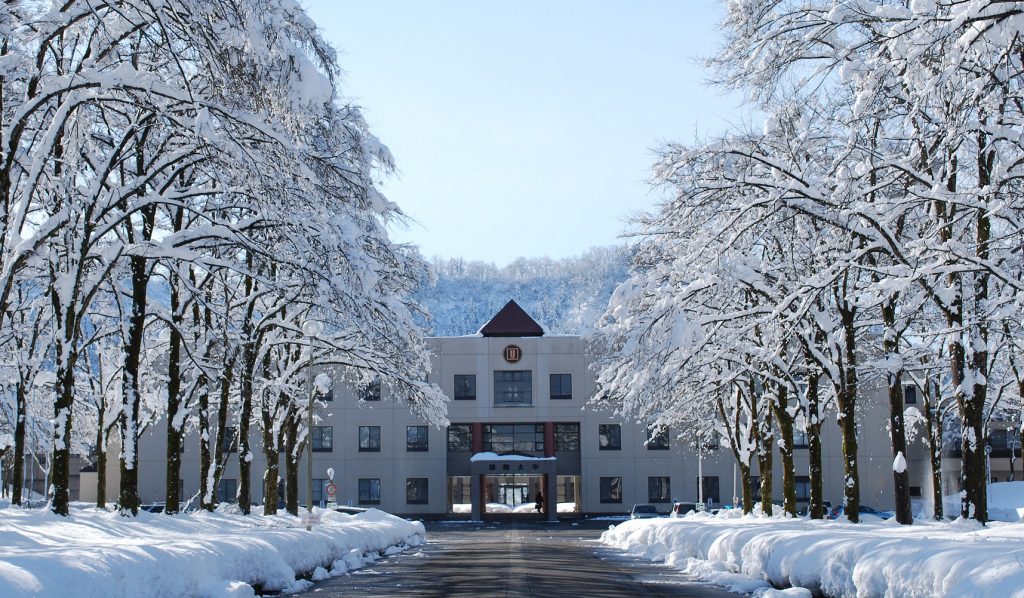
column 522, row 395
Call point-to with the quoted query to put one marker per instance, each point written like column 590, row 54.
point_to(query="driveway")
column 515, row 559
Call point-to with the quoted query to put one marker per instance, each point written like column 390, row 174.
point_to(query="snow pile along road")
column 961, row 558
column 101, row 554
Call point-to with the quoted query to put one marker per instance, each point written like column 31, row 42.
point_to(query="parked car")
column 806, row 509
column 644, row 512
column 840, row 511
column 350, row 510
column 680, row 509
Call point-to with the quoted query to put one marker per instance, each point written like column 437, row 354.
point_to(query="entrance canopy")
column 512, row 463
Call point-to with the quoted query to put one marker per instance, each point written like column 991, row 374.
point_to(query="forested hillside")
column 565, row 296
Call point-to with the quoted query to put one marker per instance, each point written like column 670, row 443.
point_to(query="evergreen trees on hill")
column 565, row 296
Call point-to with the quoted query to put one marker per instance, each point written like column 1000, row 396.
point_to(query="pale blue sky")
column 526, row 128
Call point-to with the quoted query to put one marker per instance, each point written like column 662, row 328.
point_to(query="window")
column 799, row 439
column 611, row 489
column 657, row 440
column 369, row 439
column 370, row 391
column 465, row 387
column 915, row 492
column 803, row 487
column 319, row 490
column 502, row 438
column 323, row 439
column 910, row 394
column 460, row 438
column 997, row 439
column 561, row 386
column 229, row 442
column 659, row 489
column 416, row 439
column 755, row 487
column 609, row 437
column 711, row 488
column 513, row 388
column 416, row 491
column 227, row 490
column 329, row 395
column 567, row 437
column 710, row 441
column 369, row 491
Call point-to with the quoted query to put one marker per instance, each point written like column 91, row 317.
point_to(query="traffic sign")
column 331, row 490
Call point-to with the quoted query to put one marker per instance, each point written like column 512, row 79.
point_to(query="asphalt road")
column 515, row 559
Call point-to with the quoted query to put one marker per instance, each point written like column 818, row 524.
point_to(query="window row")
column 530, row 437
column 659, row 489
column 513, row 437
column 369, row 490
column 496, row 438
column 513, row 387
column 416, row 439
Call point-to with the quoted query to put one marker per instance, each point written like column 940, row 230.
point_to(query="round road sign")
column 331, row 489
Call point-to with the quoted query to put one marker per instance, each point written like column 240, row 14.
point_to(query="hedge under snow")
column 99, row 553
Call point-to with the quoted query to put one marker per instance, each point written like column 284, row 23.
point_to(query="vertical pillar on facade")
column 477, row 437
column 551, row 496
column 549, row 439
column 476, row 496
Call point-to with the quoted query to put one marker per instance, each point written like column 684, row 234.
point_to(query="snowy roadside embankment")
column 961, row 558
column 98, row 553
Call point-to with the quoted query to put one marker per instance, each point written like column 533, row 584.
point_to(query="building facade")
column 523, row 396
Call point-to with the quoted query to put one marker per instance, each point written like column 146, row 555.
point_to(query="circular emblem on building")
column 513, row 353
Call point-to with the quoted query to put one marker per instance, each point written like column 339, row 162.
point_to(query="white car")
column 644, row 512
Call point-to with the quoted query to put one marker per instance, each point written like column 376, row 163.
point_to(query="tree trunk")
column 815, row 469
column 222, row 422
column 764, row 463
column 897, row 427
column 245, row 397
column 976, row 473
column 175, row 415
column 291, row 463
column 271, row 475
column 205, row 438
column 175, row 421
column 846, row 397
column 933, row 435
column 19, row 443
column 206, row 433
column 785, row 420
column 244, row 418
column 62, row 410
column 901, row 479
column 748, row 496
column 101, row 458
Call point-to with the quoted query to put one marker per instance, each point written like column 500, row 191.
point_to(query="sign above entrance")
column 513, row 353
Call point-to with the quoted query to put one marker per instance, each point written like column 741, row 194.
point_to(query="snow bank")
column 99, row 553
column 959, row 558
column 1005, row 502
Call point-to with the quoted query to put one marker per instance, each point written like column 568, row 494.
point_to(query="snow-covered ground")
column 101, row 554
column 929, row 559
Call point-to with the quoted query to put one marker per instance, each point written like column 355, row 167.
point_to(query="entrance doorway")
column 512, row 493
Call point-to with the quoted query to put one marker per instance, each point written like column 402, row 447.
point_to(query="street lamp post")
column 311, row 328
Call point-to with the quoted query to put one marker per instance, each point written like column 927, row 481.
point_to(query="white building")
column 514, row 389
